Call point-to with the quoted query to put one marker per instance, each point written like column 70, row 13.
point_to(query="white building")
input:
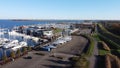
column 48, row 33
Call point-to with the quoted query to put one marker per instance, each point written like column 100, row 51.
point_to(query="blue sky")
column 60, row 9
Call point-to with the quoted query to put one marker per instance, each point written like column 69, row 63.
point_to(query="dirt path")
column 93, row 59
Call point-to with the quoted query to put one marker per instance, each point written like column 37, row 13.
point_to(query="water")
column 11, row 23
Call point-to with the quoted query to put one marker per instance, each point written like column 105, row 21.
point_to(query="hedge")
column 111, row 44
column 108, row 34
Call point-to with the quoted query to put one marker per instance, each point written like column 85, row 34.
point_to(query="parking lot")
column 47, row 60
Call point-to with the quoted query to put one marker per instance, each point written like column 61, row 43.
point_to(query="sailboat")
column 2, row 39
column 20, row 45
column 11, row 43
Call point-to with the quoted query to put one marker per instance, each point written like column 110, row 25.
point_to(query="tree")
column 29, row 48
column 12, row 54
column 18, row 52
column 4, row 57
column 24, row 50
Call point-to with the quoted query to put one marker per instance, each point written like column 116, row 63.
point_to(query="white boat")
column 51, row 46
column 11, row 44
column 14, row 42
column 68, row 38
column 16, row 48
column 2, row 39
column 20, row 45
column 59, row 42
column 62, row 40
column 23, row 44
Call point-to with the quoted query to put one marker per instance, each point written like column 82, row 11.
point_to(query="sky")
column 60, row 9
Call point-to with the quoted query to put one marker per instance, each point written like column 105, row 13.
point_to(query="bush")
column 116, row 52
column 103, row 45
column 108, row 34
column 24, row 50
column 18, row 53
column 90, row 46
column 109, row 42
column 96, row 37
column 12, row 54
column 29, row 48
column 103, row 52
column 81, row 63
column 4, row 58
column 73, row 58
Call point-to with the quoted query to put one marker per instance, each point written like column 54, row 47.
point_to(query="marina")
column 59, row 34
column 44, row 36
column 48, row 45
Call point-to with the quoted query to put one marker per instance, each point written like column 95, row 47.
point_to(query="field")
column 108, row 47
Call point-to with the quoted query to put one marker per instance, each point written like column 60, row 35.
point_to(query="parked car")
column 51, row 46
column 45, row 48
column 29, row 57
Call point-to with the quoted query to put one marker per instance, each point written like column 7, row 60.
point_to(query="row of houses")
column 36, row 31
column 83, row 25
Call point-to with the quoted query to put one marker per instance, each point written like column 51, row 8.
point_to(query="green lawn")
column 95, row 35
column 103, row 52
column 57, row 30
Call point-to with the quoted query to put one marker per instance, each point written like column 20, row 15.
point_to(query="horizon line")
column 55, row 19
